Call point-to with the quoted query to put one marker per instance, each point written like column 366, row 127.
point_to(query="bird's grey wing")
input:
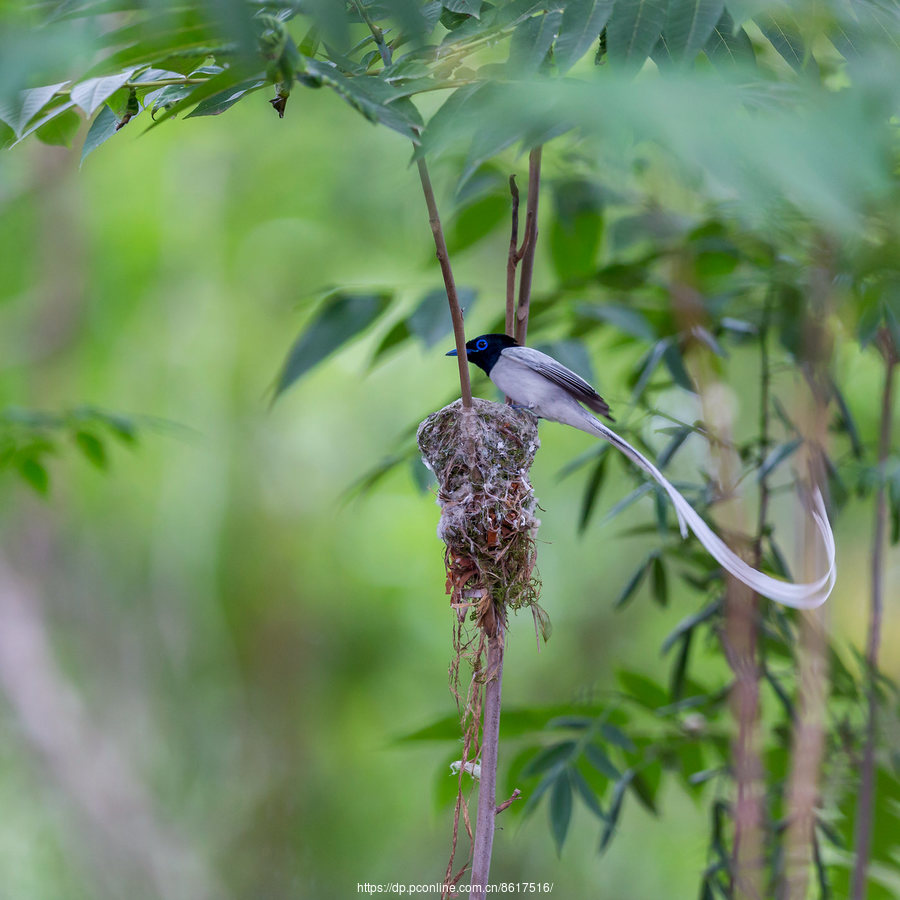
column 557, row 373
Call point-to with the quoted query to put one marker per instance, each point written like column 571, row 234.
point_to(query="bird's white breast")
column 530, row 389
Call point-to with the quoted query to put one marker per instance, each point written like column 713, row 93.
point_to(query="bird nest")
column 481, row 458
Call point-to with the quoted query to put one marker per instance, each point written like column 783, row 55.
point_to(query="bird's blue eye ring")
column 481, row 344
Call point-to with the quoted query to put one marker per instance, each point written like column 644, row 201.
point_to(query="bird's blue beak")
column 451, row 353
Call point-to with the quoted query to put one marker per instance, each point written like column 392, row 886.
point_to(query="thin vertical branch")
column 739, row 638
column 487, row 786
column 459, row 330
column 529, row 244
column 437, row 231
column 862, row 838
column 808, row 740
column 742, row 628
column 512, row 260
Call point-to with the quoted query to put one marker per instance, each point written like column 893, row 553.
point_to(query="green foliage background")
column 256, row 640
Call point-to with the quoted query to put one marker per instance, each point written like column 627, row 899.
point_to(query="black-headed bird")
column 548, row 389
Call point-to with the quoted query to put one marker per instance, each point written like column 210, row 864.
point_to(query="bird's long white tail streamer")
column 799, row 596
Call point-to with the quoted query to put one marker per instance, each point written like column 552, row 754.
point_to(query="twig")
column 487, row 786
column 459, row 329
column 512, row 260
column 743, row 628
column 862, row 838
column 377, row 33
column 437, row 231
column 507, row 803
column 529, row 244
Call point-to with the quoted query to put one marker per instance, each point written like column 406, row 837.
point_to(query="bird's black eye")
column 481, row 344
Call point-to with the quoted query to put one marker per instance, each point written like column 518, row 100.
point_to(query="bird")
column 537, row 382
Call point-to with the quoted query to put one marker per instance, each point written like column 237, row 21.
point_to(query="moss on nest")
column 481, row 458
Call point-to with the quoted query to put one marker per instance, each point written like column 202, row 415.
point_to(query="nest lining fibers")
column 481, row 458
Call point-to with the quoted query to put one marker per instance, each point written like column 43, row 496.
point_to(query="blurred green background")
column 247, row 640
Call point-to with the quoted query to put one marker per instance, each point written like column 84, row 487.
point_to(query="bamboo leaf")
column 776, row 457
column 581, row 786
column 616, row 736
column 561, row 809
column 549, row 759
column 592, row 491
column 601, row 762
column 633, row 583
column 615, row 809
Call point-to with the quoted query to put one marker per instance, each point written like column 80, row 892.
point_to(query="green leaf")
column 582, row 22
column 689, row 25
column 430, row 321
column 679, row 436
column 616, row 736
column 679, row 670
column 561, row 809
column 675, row 364
column 48, row 116
column 35, row 474
column 218, row 103
column 688, row 624
column 531, row 42
column 615, row 809
column 60, row 130
column 776, row 457
column 476, row 220
column 573, row 248
column 217, row 84
column 786, row 39
column 550, row 758
column 396, row 335
column 340, row 317
column 601, row 762
column 633, row 30
column 580, row 784
column 464, row 7
column 592, row 491
column 658, row 582
column 102, row 129
column 645, row 785
column 625, row 318
column 92, row 448
column 19, row 111
column 633, row 584
column 90, row 94
column 374, row 98
column 642, row 689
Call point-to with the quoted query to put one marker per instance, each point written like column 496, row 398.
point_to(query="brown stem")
column 530, row 244
column 512, row 260
column 459, row 331
column 743, row 627
column 437, row 231
column 507, row 803
column 862, row 839
column 487, row 786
